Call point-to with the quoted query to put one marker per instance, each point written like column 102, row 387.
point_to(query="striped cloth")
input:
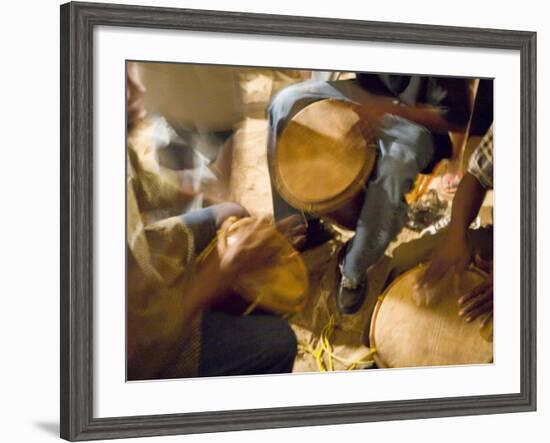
column 480, row 164
column 160, row 256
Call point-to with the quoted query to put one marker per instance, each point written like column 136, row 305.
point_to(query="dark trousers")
column 249, row 345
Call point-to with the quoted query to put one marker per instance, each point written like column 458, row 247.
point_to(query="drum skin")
column 406, row 335
column 279, row 287
column 324, row 157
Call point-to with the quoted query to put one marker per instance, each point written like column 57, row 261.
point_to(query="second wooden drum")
column 323, row 159
column 405, row 335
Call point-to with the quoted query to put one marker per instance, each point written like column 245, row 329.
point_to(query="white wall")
column 29, row 226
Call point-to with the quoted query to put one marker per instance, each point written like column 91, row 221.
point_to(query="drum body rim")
column 333, row 203
column 380, row 363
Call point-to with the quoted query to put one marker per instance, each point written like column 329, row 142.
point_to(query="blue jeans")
column 405, row 149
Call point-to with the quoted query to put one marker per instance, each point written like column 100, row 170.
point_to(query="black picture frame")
column 77, row 24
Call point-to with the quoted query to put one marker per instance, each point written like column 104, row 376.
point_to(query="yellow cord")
column 325, row 349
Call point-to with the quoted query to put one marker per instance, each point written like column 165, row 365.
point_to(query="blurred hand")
column 253, row 247
column 453, row 253
column 478, row 302
column 430, row 294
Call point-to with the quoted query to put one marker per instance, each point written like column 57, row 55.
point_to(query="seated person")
column 454, row 253
column 413, row 115
column 172, row 332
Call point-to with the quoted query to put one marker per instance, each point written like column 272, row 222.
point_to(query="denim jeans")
column 405, row 149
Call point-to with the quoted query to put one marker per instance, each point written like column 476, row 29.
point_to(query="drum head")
column 278, row 287
column 406, row 335
column 322, row 157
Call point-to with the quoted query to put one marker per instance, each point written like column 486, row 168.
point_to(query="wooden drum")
column 279, row 287
column 323, row 159
column 404, row 334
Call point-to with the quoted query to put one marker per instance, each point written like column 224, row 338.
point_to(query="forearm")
column 427, row 116
column 466, row 205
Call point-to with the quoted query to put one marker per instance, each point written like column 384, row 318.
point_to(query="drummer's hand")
column 253, row 248
column 453, row 253
column 478, row 302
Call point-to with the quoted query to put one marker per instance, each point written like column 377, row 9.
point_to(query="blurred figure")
column 414, row 115
column 201, row 107
column 171, row 331
column 454, row 253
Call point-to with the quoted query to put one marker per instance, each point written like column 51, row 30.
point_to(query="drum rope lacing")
column 325, row 351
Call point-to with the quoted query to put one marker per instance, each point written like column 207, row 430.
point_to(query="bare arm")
column 373, row 108
column 455, row 250
column 466, row 205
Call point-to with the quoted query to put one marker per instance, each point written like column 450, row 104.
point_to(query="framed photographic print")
column 272, row 221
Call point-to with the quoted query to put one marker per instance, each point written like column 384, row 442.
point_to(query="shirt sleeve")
column 160, row 256
column 480, row 164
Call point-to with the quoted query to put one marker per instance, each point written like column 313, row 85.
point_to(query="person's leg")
column 249, row 345
column 405, row 149
column 283, row 107
column 451, row 179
